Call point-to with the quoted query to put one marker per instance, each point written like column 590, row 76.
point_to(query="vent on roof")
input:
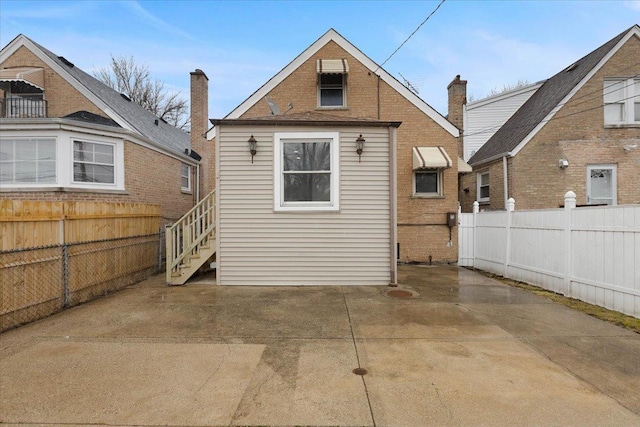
column 125, row 97
column 66, row 62
column 571, row 67
column 155, row 122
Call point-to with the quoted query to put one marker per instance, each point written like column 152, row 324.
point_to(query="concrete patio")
column 454, row 349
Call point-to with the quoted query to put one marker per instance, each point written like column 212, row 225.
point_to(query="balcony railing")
column 23, row 107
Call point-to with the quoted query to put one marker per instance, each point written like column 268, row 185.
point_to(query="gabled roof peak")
column 333, row 35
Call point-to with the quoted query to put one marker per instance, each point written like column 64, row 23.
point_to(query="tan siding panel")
column 261, row 247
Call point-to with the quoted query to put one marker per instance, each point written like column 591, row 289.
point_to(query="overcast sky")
column 241, row 44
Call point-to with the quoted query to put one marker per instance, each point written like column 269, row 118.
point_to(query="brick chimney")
column 457, row 99
column 199, row 126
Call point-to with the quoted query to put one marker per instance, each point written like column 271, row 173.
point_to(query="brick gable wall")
column 422, row 230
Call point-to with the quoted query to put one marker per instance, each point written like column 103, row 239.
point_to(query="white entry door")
column 601, row 184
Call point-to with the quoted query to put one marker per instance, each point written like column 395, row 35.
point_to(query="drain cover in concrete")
column 398, row 293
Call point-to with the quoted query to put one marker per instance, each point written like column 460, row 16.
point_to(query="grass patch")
column 601, row 313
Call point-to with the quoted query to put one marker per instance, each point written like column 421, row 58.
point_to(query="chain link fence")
column 37, row 282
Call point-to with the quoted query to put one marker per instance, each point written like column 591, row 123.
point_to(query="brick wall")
column 422, row 230
column 199, row 126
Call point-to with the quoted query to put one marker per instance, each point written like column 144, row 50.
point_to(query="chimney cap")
column 457, row 81
column 199, row 72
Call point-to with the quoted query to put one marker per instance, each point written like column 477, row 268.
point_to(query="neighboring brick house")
column 579, row 131
column 66, row 136
column 332, row 76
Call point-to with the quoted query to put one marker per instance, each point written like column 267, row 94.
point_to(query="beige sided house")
column 65, row 136
column 305, row 199
column 333, row 77
column 580, row 132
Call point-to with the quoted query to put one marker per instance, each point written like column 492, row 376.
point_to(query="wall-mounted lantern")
column 253, row 145
column 359, row 146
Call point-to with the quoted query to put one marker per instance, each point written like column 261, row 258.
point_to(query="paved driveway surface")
column 461, row 350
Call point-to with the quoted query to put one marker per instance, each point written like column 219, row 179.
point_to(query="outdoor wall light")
column 359, row 146
column 253, row 144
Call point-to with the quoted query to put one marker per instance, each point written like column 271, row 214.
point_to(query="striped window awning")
column 463, row 167
column 430, row 158
column 333, row 66
column 31, row 76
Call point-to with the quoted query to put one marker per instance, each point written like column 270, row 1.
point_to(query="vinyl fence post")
column 476, row 209
column 511, row 205
column 569, row 205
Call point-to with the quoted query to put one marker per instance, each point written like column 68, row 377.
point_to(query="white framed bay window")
column 59, row 159
column 306, row 171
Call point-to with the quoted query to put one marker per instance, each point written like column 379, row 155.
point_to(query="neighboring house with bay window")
column 64, row 135
column 579, row 131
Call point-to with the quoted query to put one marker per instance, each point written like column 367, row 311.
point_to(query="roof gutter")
column 491, row 159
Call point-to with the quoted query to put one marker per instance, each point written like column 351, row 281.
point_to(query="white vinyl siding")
column 484, row 117
column 259, row 246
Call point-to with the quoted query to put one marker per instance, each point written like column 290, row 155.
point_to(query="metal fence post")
column 65, row 273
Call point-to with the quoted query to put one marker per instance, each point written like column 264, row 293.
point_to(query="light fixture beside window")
column 360, row 146
column 253, row 147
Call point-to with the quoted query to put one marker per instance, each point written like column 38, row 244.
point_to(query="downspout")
column 393, row 207
column 198, row 183
column 378, row 96
column 505, row 177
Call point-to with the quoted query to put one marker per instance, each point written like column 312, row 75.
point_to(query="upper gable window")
column 621, row 101
column 332, row 83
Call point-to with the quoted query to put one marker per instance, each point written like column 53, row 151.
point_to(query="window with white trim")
column 28, row 160
column 331, row 91
column 483, row 186
column 306, row 172
column 93, row 162
column 428, row 182
column 185, row 175
column 621, row 101
column 602, row 184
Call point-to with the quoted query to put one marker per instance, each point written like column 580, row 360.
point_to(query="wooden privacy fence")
column 588, row 253
column 58, row 254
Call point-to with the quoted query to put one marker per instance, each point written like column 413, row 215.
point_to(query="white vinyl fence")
column 588, row 253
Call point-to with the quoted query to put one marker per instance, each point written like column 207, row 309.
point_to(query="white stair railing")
column 189, row 234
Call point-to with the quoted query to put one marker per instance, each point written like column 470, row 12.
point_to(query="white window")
column 28, row 160
column 185, row 174
column 306, row 174
column 331, row 90
column 602, row 184
column 428, row 182
column 621, row 101
column 93, row 162
column 483, row 187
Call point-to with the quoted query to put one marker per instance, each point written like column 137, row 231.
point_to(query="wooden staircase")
column 191, row 241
